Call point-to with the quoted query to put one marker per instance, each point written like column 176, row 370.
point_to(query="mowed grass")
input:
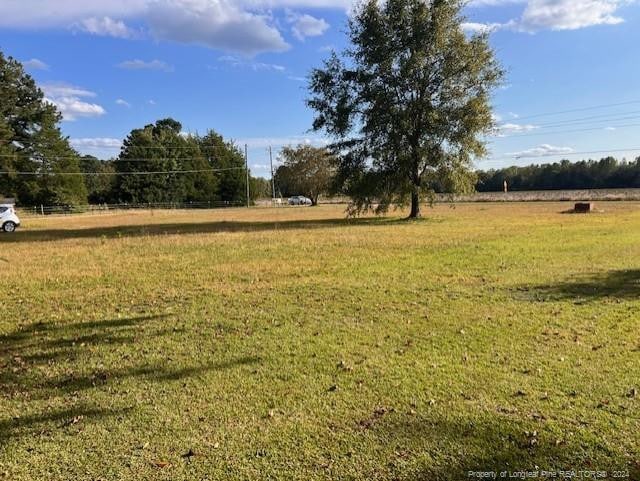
column 294, row 344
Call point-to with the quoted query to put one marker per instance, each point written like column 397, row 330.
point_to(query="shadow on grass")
column 11, row 428
column 624, row 284
column 44, row 362
column 455, row 447
column 191, row 228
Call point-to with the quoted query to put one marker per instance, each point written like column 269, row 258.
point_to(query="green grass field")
column 294, row 344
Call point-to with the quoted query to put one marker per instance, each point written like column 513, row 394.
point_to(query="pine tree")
column 31, row 142
column 229, row 162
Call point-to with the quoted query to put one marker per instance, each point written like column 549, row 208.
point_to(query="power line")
column 113, row 147
column 610, row 117
column 557, row 154
column 36, row 157
column 167, row 172
column 595, row 107
column 592, row 129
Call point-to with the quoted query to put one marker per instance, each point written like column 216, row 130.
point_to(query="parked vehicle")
column 300, row 200
column 9, row 220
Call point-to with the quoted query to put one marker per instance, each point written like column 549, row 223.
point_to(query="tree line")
column 157, row 163
column 177, row 168
column 606, row 173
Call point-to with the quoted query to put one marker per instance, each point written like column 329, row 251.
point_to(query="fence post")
column 42, row 209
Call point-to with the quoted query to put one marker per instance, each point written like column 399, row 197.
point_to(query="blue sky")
column 238, row 66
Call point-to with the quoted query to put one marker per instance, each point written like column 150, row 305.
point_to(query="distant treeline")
column 607, row 173
column 194, row 169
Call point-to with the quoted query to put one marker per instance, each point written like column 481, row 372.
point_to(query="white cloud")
column 553, row 15
column 238, row 26
column 142, row 65
column 509, row 128
column 247, row 27
column 255, row 66
column 568, row 14
column 123, row 103
column 64, row 13
column 473, row 27
column 544, row 150
column 218, row 24
column 304, row 25
column 69, row 101
column 266, row 167
column 72, row 108
column 65, row 90
column 97, row 143
column 35, row 64
column 493, row 3
column 278, row 142
column 105, row 27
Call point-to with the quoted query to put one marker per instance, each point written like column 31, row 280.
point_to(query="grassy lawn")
column 293, row 344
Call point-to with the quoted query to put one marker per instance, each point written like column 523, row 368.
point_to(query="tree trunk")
column 415, row 204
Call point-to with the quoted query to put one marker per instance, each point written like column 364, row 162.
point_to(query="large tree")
column 306, row 170
column 229, row 162
column 158, row 164
column 33, row 150
column 409, row 104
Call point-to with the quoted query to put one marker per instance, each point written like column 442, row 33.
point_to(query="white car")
column 299, row 200
column 9, row 221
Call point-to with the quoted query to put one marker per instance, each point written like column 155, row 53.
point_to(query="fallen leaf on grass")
column 378, row 413
column 161, row 464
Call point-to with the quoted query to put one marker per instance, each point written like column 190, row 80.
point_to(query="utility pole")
column 246, row 167
column 273, row 183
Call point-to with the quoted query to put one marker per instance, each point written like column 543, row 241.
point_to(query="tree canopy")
column 228, row 159
column 33, row 150
column 160, row 152
column 179, row 168
column 306, row 170
column 408, row 104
